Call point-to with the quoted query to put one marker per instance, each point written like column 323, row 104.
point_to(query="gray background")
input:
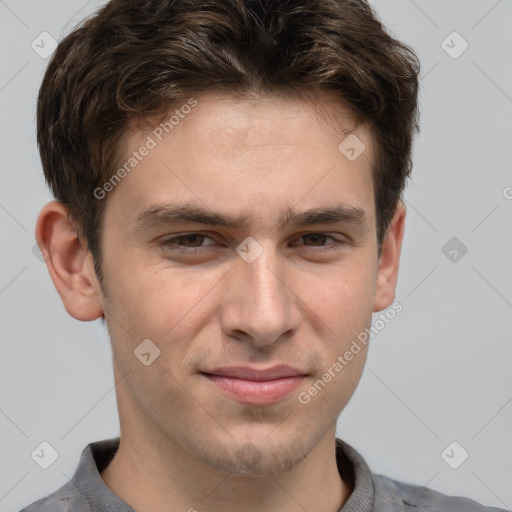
column 439, row 372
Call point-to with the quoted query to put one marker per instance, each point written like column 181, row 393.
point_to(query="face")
column 251, row 304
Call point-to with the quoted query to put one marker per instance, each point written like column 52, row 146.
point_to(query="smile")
column 256, row 387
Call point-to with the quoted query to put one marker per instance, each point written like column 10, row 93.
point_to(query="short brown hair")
column 137, row 58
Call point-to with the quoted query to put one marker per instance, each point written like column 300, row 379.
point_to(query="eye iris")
column 191, row 236
column 316, row 238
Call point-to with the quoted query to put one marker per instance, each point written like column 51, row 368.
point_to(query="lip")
column 254, row 386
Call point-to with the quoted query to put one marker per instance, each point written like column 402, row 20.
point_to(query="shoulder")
column 423, row 499
column 65, row 499
column 49, row 504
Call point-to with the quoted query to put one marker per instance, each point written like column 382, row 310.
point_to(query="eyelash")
column 169, row 243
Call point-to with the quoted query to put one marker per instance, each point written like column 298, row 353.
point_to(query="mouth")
column 252, row 386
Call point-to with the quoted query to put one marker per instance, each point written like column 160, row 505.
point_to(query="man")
column 228, row 180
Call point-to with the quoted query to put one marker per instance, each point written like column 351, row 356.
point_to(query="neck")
column 151, row 476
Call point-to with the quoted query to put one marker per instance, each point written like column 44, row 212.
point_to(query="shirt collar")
column 366, row 493
column 94, row 459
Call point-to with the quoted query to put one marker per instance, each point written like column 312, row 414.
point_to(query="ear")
column 69, row 263
column 387, row 271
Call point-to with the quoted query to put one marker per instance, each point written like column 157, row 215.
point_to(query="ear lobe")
column 387, row 272
column 69, row 263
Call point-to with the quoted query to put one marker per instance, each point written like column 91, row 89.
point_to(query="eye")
column 319, row 238
column 192, row 243
column 181, row 242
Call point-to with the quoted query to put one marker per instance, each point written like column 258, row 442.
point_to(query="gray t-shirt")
column 86, row 491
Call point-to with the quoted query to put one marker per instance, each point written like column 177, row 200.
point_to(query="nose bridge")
column 266, row 284
column 260, row 303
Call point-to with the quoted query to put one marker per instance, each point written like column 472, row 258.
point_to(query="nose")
column 260, row 306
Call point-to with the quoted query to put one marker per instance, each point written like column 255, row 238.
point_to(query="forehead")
column 256, row 121
column 247, row 153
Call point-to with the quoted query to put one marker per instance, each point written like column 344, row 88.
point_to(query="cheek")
column 342, row 297
column 158, row 300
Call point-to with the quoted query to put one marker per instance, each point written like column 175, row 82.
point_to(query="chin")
column 258, row 456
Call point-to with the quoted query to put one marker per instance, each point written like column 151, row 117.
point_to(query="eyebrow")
column 174, row 213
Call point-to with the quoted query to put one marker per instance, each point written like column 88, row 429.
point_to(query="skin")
column 184, row 442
